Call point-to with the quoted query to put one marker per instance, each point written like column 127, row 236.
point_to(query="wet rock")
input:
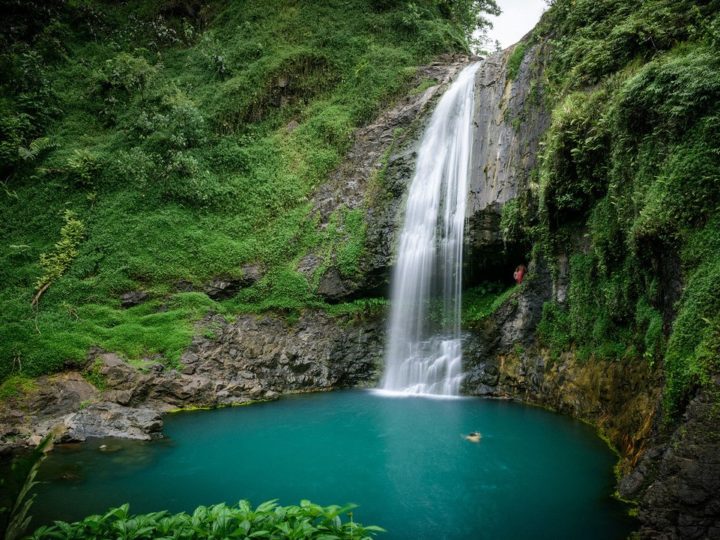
column 678, row 481
column 112, row 420
column 26, row 419
column 133, row 298
column 55, row 395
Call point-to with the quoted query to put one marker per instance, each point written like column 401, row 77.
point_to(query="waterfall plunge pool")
column 404, row 461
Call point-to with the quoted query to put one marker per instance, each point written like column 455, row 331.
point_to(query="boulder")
column 133, row 298
column 332, row 287
column 222, row 288
column 112, row 420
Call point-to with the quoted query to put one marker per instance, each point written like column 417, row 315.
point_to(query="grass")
column 16, row 386
column 483, row 300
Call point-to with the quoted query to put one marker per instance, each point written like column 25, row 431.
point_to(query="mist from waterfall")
column 424, row 351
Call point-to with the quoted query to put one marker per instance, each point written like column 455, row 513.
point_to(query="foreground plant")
column 15, row 519
column 268, row 521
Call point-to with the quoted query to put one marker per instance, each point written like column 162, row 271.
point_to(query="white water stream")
column 424, row 352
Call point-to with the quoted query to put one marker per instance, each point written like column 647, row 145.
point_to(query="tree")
column 471, row 15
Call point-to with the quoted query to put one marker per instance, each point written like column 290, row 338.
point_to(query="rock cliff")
column 255, row 357
column 509, row 122
column 671, row 469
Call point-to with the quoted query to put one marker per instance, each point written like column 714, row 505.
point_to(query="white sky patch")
column 517, row 19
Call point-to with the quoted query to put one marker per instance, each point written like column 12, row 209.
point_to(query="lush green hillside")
column 146, row 144
column 629, row 184
column 152, row 145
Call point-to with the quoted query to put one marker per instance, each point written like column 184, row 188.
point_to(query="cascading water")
column 424, row 353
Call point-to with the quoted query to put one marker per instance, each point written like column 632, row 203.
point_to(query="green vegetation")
column 16, row 386
column 629, row 182
column 515, row 60
column 15, row 516
column 483, row 300
column 56, row 263
column 219, row 521
column 146, row 144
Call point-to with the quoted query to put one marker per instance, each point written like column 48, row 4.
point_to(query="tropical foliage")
column 267, row 521
column 630, row 184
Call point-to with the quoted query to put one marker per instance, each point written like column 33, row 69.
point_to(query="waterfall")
column 424, row 352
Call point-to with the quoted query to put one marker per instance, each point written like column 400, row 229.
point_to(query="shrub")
column 574, row 171
column 554, row 328
column 629, row 180
column 692, row 349
column 125, row 73
column 55, row 263
column 82, row 167
column 515, row 60
column 219, row 521
column 511, row 221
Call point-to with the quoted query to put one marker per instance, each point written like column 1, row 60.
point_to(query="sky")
column 517, row 19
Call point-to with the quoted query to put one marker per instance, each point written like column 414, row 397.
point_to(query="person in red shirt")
column 519, row 274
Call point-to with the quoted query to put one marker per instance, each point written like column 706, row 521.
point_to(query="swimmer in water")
column 473, row 437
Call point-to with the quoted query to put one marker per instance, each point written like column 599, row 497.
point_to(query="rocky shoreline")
column 672, row 472
column 256, row 357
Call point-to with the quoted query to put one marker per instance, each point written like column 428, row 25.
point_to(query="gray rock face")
column 112, row 420
column 678, row 481
column 255, row 357
column 265, row 354
column 332, row 287
column 510, row 119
